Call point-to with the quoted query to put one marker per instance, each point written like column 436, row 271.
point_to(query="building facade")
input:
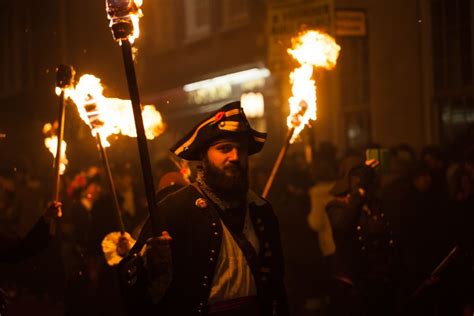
column 404, row 74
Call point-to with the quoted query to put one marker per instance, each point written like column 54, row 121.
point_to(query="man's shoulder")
column 254, row 198
column 259, row 205
column 184, row 196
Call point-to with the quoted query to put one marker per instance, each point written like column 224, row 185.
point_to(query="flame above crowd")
column 135, row 17
column 127, row 12
column 311, row 49
column 51, row 142
column 111, row 116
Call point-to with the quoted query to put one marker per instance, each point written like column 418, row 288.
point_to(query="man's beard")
column 231, row 183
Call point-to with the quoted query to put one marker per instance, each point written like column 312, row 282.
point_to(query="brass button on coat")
column 201, row 203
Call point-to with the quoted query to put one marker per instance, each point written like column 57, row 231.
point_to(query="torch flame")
column 135, row 17
column 310, row 49
column 127, row 12
column 111, row 116
column 51, row 142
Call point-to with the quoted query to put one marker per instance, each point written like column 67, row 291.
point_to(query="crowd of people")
column 336, row 235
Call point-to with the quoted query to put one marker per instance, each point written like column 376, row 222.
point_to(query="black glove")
column 158, row 262
column 157, row 255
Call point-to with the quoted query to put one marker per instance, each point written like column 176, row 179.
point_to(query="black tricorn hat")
column 228, row 121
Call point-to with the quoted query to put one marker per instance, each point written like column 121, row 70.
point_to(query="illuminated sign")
column 220, row 88
column 210, row 94
column 230, row 79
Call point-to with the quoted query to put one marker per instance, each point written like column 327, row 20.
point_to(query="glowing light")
column 110, row 245
column 111, row 116
column 311, row 49
column 135, row 17
column 253, row 104
column 229, row 79
column 51, row 142
column 125, row 12
column 315, row 48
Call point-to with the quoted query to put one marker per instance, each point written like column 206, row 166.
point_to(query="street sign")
column 350, row 23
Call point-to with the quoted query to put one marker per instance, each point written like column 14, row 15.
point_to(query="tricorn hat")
column 228, row 121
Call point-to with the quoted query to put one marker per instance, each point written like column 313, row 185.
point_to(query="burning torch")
column 107, row 116
column 116, row 114
column 113, row 239
column 95, row 123
column 51, row 142
column 311, row 49
column 64, row 80
column 124, row 16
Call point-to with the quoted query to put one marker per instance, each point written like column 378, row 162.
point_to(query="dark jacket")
column 197, row 235
column 365, row 245
column 15, row 249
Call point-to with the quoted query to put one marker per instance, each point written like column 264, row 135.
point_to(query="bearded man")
column 218, row 249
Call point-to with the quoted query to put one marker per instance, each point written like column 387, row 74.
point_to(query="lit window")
column 15, row 52
column 234, row 13
column 198, row 19
column 161, row 29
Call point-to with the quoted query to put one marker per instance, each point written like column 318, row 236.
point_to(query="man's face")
column 226, row 166
column 229, row 156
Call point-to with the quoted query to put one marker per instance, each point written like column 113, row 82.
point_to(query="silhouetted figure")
column 364, row 260
column 217, row 249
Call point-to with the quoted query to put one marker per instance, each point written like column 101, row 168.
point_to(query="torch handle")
column 278, row 162
column 110, row 180
column 53, row 228
column 57, row 158
column 141, row 138
column 437, row 271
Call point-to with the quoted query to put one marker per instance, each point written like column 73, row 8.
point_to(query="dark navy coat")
column 197, row 234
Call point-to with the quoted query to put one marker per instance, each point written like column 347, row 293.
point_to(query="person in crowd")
column 215, row 246
column 433, row 158
column 363, row 262
column 14, row 248
column 291, row 203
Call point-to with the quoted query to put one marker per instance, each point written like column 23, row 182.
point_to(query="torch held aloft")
column 64, row 78
column 110, row 180
column 278, row 162
column 122, row 15
column 141, row 138
column 57, row 158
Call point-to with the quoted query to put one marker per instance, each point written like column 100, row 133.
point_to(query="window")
column 234, row 13
column 353, row 66
column 162, row 34
column 457, row 119
column 357, row 129
column 15, row 53
column 452, row 44
column 198, row 19
column 453, row 68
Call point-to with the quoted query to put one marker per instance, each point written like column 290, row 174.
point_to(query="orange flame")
column 111, row 116
column 129, row 12
column 310, row 49
column 51, row 142
column 135, row 17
